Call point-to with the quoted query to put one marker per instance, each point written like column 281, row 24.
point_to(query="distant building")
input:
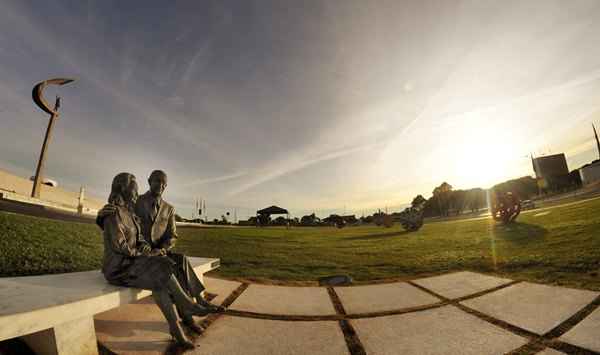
column 590, row 173
column 551, row 172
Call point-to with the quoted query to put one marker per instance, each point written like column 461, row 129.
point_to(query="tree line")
column 445, row 201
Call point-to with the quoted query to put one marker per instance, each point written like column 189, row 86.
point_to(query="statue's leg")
column 183, row 301
column 180, row 311
column 164, row 302
column 187, row 318
column 186, row 276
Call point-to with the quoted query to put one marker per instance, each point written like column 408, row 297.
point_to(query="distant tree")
column 335, row 220
column 475, row 199
column 309, row 220
column 444, row 187
column 178, row 218
column 524, row 187
column 458, row 201
column 418, row 201
column 441, row 196
column 264, row 219
column 279, row 221
column 366, row 219
column 331, row 219
column 378, row 218
column 350, row 219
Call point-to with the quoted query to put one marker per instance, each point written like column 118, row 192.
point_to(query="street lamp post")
column 38, row 98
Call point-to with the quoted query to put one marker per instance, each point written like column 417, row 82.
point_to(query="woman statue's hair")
column 119, row 184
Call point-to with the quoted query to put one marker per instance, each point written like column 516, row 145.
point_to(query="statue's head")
column 124, row 190
column 157, row 182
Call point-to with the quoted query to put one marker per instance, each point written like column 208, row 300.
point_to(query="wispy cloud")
column 212, row 180
column 279, row 169
column 200, row 56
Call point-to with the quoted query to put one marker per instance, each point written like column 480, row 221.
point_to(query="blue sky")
column 312, row 105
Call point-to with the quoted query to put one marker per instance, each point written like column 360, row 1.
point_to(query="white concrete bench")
column 54, row 314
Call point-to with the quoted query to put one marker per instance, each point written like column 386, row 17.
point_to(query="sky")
column 325, row 106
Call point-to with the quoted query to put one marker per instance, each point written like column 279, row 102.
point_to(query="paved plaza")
column 458, row 313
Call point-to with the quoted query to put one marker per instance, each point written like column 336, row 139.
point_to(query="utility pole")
column 80, row 200
column 38, row 98
column 597, row 141
column 535, row 169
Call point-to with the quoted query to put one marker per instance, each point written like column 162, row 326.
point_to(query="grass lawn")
column 32, row 245
column 559, row 246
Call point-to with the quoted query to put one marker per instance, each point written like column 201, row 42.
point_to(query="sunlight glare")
column 482, row 156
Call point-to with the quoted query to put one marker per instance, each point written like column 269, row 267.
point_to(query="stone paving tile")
column 586, row 334
column 460, row 284
column 537, row 308
column 222, row 288
column 382, row 297
column 550, row 351
column 140, row 328
column 248, row 336
column 444, row 330
column 284, row 300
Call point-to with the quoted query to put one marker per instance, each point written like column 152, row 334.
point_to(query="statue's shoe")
column 180, row 339
column 209, row 306
column 200, row 311
column 190, row 324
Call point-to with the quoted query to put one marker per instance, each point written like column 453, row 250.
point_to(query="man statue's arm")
column 170, row 236
column 107, row 210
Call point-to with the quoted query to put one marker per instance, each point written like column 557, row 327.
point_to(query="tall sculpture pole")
column 38, row 98
column 597, row 141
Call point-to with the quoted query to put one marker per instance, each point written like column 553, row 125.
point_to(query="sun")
column 483, row 158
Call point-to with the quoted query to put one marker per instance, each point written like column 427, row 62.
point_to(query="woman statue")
column 130, row 261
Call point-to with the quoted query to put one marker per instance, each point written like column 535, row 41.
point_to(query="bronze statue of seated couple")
column 139, row 235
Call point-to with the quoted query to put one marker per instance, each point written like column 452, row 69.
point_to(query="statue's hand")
column 156, row 252
column 107, row 210
column 145, row 249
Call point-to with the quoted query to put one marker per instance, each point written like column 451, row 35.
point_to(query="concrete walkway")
column 459, row 313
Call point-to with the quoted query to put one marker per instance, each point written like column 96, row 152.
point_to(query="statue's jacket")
column 124, row 264
column 159, row 231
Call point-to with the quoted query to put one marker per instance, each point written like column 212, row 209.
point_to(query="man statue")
column 157, row 220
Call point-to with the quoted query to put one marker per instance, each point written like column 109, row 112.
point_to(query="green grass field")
column 558, row 246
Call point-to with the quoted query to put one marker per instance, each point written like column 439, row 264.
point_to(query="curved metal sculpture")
column 505, row 207
column 38, row 98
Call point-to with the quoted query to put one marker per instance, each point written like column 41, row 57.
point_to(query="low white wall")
column 56, row 195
